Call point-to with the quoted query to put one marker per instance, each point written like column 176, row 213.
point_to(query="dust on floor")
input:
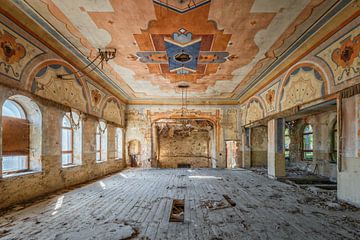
column 136, row 204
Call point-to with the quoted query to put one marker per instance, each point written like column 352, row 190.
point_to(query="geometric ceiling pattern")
column 218, row 47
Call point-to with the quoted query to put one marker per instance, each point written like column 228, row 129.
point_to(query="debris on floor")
column 218, row 204
column 104, row 232
column 229, row 200
column 244, row 205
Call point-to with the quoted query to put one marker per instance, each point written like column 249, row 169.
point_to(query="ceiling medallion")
column 182, row 51
column 182, row 57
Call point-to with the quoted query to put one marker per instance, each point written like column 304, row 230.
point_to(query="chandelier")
column 184, row 87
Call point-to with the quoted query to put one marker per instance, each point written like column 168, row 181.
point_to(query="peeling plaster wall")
column 138, row 126
column 193, row 150
column 53, row 177
column 259, row 145
column 349, row 173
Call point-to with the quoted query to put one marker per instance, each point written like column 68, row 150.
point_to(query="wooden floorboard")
column 141, row 200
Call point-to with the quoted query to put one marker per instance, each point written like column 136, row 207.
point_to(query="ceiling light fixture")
column 184, row 87
column 103, row 54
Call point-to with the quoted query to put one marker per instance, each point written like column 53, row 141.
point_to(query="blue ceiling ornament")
column 182, row 52
column 182, row 56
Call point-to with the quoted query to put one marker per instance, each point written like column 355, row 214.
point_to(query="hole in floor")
column 327, row 187
column 177, row 211
column 183, row 165
column 302, row 181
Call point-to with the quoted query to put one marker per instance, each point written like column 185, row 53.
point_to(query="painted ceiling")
column 219, row 47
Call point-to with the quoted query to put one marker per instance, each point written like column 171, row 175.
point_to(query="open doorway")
column 232, row 153
column 310, row 144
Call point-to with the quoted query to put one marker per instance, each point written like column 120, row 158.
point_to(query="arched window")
column 13, row 109
column 71, row 131
column 16, row 138
column 21, row 123
column 287, row 143
column 334, row 138
column 118, row 143
column 308, row 138
column 101, row 142
column 67, row 142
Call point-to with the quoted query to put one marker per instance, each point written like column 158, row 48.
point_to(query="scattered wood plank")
column 229, row 200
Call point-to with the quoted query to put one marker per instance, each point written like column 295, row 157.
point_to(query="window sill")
column 71, row 166
column 19, row 174
column 118, row 159
column 103, row 161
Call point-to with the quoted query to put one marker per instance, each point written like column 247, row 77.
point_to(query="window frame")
column 71, row 152
column 98, row 144
column 27, row 163
column 118, row 140
column 303, row 144
column 102, row 133
column 287, row 136
column 23, row 117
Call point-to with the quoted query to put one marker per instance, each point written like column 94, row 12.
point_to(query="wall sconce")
column 103, row 54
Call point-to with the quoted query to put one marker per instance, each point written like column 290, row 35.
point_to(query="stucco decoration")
column 113, row 111
column 302, row 85
column 254, row 111
column 269, row 97
column 96, row 97
column 342, row 56
column 15, row 53
column 67, row 91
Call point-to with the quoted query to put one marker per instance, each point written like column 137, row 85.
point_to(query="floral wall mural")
column 15, row 53
column 342, row 56
column 96, row 97
column 269, row 97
